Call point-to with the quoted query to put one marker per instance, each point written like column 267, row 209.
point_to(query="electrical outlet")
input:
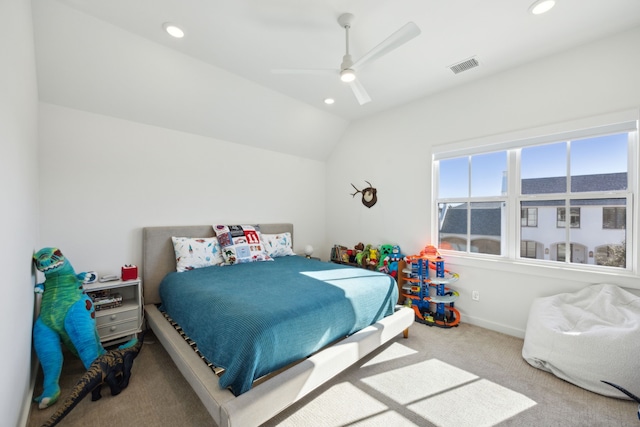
column 475, row 295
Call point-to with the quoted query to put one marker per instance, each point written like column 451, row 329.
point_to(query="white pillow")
column 194, row 253
column 277, row 245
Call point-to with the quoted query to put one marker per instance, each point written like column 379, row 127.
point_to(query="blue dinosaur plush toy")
column 66, row 315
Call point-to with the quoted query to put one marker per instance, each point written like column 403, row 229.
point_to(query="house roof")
column 579, row 183
column 486, row 217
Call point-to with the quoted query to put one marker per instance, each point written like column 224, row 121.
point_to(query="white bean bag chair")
column 587, row 336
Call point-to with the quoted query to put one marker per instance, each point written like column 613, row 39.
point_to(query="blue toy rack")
column 430, row 297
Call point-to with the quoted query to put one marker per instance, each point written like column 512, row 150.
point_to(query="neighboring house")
column 597, row 226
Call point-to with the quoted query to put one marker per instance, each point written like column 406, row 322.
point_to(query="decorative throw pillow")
column 278, row 245
column 194, row 253
column 241, row 243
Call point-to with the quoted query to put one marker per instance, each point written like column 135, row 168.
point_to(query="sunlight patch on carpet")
column 480, row 403
column 418, row 381
column 394, row 351
column 344, row 404
column 427, row 392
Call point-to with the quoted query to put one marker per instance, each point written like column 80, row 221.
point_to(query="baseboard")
column 26, row 405
column 498, row 327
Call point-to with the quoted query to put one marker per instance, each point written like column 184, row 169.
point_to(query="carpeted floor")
column 464, row 376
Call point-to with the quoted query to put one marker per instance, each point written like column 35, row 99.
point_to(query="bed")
column 272, row 393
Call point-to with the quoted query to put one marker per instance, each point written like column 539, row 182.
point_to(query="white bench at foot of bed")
column 274, row 395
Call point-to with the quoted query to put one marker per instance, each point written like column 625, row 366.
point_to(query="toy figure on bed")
column 66, row 314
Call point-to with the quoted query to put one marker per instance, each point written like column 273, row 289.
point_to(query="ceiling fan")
column 348, row 68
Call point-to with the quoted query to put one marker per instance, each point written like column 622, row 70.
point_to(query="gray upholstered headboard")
column 158, row 257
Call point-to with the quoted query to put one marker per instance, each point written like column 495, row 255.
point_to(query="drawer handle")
column 114, row 317
column 113, row 328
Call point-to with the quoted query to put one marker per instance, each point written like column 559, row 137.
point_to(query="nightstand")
column 121, row 321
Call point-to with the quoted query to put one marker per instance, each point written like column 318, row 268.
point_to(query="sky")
column 599, row 155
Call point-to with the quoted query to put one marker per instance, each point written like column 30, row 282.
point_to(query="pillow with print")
column 277, row 245
column 241, row 244
column 192, row 253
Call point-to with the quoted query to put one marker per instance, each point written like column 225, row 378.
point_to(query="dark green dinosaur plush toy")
column 112, row 368
column 66, row 315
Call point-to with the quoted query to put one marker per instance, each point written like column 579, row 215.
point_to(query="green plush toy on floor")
column 66, row 316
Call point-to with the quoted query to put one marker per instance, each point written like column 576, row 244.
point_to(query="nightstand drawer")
column 118, row 328
column 116, row 316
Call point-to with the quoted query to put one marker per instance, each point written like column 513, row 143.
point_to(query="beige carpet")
column 464, row 376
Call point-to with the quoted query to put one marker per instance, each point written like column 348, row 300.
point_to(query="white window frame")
column 626, row 121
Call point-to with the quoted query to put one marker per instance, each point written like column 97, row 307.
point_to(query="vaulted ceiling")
column 92, row 54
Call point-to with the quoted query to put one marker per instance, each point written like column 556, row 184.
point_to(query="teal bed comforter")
column 252, row 319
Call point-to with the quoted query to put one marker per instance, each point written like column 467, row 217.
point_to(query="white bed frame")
column 274, row 395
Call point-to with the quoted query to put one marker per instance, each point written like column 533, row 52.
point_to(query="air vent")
column 465, row 65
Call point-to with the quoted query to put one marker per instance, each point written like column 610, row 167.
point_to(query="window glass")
column 529, row 249
column 486, row 227
column 614, row 217
column 599, row 164
column 454, row 178
column 543, row 169
column 545, row 233
column 452, row 230
column 528, row 217
column 488, row 174
column 611, row 255
column 574, row 217
column 556, row 223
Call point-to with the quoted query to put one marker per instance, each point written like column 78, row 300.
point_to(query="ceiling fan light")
column 173, row 30
column 541, row 6
column 347, row 75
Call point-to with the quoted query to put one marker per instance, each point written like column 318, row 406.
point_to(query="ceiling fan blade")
column 324, row 71
column 358, row 90
column 395, row 40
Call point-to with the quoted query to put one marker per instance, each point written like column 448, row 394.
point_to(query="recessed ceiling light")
column 173, row 30
column 329, row 101
column 541, row 6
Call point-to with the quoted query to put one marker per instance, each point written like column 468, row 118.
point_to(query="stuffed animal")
column 359, row 253
column 373, row 257
column 66, row 315
column 364, row 259
column 385, row 251
column 395, row 257
column 112, row 368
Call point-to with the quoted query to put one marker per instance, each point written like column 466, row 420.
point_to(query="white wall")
column 393, row 149
column 19, row 215
column 102, row 179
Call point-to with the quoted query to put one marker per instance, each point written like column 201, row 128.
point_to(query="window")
column 614, row 218
column 559, row 198
column 529, row 217
column 528, row 249
column 574, row 222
